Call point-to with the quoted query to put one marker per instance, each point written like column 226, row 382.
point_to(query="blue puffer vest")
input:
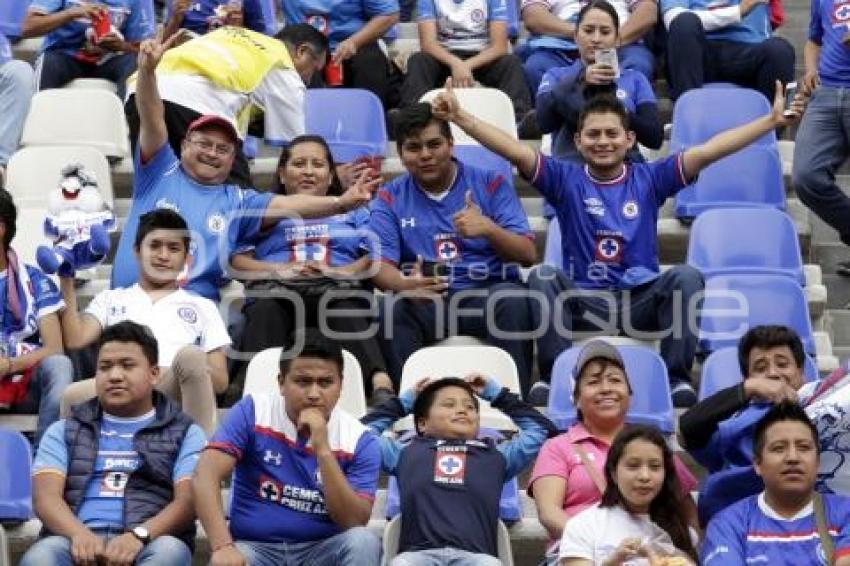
column 150, row 487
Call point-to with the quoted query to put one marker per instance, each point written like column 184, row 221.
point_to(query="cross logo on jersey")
column 446, row 247
column 114, row 483
column 311, row 249
column 270, row 490
column 450, row 468
column 609, row 249
column 841, row 13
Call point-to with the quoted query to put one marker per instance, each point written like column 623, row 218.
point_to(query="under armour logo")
column 408, row 222
column 275, row 457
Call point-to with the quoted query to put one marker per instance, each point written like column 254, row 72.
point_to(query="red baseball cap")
column 213, row 121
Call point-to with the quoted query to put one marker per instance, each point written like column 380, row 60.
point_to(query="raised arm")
column 152, row 131
column 699, row 157
column 446, row 107
column 78, row 330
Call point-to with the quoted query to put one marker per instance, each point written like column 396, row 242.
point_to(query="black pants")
column 270, row 322
column 55, row 69
column 693, row 59
column 424, row 73
column 177, row 120
column 369, row 69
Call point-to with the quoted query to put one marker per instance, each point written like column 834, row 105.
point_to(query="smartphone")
column 790, row 93
column 609, row 57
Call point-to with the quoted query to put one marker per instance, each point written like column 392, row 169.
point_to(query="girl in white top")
column 639, row 521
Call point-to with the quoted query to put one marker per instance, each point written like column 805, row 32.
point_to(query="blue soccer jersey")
column 752, row 28
column 463, row 25
column 133, row 18
column 202, row 16
column 5, row 49
column 749, row 532
column 409, row 223
column 337, row 19
column 218, row 216
column 608, row 228
column 830, row 23
column 336, row 240
column 277, row 488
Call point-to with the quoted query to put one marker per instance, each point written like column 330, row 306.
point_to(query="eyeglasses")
column 221, row 149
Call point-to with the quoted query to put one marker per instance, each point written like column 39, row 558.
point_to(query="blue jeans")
column 358, row 546
column 56, row 551
column 53, row 374
column 15, row 96
column 823, row 143
column 658, row 305
column 444, row 557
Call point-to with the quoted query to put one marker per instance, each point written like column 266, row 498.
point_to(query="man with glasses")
column 234, row 73
column 218, row 214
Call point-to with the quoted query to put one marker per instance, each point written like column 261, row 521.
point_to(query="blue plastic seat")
column 482, row 158
column 12, row 14
column 721, row 370
column 650, row 403
column 351, row 120
column 750, row 178
column 746, row 240
column 735, row 303
column 510, row 504
column 15, row 482
column 269, row 11
column 694, row 122
column 553, row 254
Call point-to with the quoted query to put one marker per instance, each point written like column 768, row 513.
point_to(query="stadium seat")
column 650, row 402
column 488, row 104
column 33, row 172
column 262, row 373
column 458, row 361
column 735, row 303
column 351, row 121
column 510, row 504
column 482, row 158
column 746, row 240
column 721, row 370
column 392, row 533
column 692, row 125
column 55, row 119
column 90, row 84
column 15, row 483
column 12, row 14
column 750, row 178
column 553, row 254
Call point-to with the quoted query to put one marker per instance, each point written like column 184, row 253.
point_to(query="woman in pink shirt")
column 568, row 475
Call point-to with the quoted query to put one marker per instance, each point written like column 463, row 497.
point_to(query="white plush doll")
column 78, row 222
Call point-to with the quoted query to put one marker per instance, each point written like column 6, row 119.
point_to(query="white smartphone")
column 790, row 93
column 609, row 57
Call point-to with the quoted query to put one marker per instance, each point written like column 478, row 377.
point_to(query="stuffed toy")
column 78, row 222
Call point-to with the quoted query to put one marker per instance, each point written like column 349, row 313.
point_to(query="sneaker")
column 843, row 268
column 539, row 394
column 380, row 395
column 683, row 395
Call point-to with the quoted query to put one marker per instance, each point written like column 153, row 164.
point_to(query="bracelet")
column 218, row 547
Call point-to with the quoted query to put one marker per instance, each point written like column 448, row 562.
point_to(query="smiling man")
column 305, row 471
column 781, row 525
column 188, row 328
column 111, row 483
column 219, row 214
column 607, row 210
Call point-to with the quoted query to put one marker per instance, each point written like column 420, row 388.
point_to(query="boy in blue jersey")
column 449, row 480
column 781, row 525
column 72, row 49
column 724, row 41
column 305, row 471
column 607, row 210
column 111, row 483
column 823, row 140
column 466, row 227
column 219, row 215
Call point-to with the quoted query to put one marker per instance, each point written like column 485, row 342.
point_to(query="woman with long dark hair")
column 323, row 261
column 640, row 519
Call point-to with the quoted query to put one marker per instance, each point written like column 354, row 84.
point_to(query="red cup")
column 101, row 25
column 333, row 73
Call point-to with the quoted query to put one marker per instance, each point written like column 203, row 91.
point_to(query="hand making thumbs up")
column 470, row 222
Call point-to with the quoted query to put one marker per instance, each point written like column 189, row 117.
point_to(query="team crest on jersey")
column 609, row 248
column 841, row 13
column 319, row 22
column 446, row 247
column 310, row 249
column 188, row 314
column 450, row 468
column 630, row 209
column 114, row 484
column 215, row 223
column 621, row 94
column 477, row 15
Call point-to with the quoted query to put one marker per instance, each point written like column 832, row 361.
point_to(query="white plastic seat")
column 78, row 116
column 488, row 104
column 392, row 533
column 94, row 84
column 33, row 172
column 263, row 369
column 458, row 361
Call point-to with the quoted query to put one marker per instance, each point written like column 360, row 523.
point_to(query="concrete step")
column 838, row 291
column 839, row 320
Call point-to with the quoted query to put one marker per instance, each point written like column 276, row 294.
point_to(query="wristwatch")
column 142, row 534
